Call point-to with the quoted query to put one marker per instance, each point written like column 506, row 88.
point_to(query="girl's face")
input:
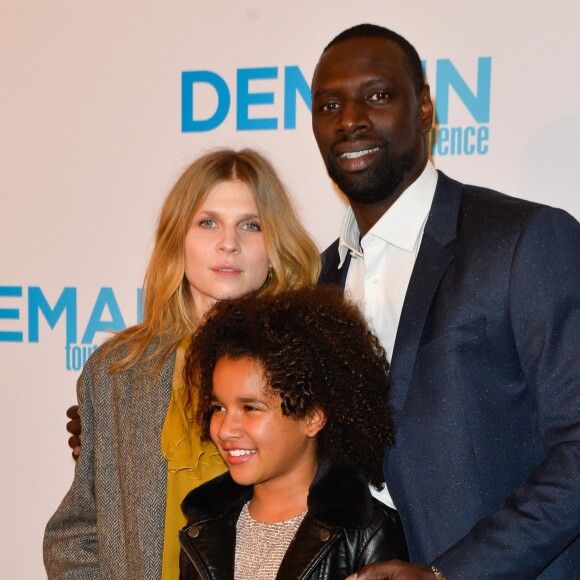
column 225, row 253
column 260, row 444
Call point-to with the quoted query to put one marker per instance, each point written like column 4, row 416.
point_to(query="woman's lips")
column 225, row 270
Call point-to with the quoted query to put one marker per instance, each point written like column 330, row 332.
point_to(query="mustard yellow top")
column 189, row 464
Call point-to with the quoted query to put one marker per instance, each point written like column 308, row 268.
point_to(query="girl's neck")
column 279, row 501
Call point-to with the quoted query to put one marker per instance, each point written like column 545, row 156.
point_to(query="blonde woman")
column 227, row 228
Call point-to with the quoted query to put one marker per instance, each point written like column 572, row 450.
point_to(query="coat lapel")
column 432, row 262
column 312, row 542
column 146, row 403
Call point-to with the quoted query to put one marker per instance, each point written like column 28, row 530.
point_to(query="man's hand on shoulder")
column 396, row 570
column 74, row 428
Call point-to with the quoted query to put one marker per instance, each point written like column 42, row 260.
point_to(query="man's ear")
column 315, row 421
column 426, row 109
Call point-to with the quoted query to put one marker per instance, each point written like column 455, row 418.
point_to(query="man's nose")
column 353, row 117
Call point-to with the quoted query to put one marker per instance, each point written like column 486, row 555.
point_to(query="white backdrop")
column 91, row 140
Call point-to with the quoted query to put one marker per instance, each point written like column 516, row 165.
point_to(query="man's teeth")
column 355, row 154
column 240, row 452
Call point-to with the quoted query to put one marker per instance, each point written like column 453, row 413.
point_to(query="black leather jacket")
column 344, row 529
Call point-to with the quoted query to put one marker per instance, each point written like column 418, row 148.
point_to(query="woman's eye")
column 207, row 223
column 215, row 408
column 252, row 227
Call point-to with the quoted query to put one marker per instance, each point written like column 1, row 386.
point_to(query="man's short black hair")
column 375, row 31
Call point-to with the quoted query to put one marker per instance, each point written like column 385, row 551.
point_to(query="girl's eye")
column 251, row 408
column 252, row 227
column 215, row 408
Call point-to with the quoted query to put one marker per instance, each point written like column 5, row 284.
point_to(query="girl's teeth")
column 239, row 452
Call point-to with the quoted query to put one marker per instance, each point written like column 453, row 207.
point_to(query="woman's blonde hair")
column 168, row 312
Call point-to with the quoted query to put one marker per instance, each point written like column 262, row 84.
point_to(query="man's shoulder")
column 330, row 261
column 481, row 207
column 331, row 250
column 486, row 198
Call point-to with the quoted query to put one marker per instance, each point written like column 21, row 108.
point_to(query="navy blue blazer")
column 485, row 469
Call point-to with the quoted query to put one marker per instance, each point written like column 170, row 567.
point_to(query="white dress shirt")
column 383, row 260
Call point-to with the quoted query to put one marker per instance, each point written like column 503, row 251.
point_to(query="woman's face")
column 225, row 253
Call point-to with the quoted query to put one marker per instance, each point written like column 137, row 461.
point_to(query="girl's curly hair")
column 315, row 350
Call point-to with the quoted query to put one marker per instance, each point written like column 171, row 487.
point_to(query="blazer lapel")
column 432, row 261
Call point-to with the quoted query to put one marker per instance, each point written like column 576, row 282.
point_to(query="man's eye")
column 379, row 96
column 330, row 106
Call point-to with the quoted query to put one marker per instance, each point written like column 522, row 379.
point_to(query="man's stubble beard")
column 378, row 182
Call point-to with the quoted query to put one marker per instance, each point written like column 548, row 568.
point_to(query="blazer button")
column 324, row 535
column 193, row 532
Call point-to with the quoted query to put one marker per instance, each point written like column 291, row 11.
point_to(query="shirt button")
column 375, row 279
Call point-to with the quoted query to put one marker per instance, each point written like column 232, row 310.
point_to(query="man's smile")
column 356, row 154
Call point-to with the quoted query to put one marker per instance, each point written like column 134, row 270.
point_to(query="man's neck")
column 367, row 215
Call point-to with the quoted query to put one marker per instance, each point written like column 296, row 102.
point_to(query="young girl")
column 293, row 394
column 227, row 228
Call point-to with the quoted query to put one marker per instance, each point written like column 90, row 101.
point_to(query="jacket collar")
column 338, row 496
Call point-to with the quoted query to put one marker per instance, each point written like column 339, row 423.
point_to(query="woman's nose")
column 229, row 241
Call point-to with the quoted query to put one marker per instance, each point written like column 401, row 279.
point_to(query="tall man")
column 476, row 298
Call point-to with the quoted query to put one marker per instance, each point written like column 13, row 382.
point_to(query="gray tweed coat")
column 111, row 522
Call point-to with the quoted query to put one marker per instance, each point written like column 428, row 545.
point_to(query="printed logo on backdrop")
column 267, row 98
column 26, row 315
column 462, row 112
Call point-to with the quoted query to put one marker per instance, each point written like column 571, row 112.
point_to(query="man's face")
column 369, row 122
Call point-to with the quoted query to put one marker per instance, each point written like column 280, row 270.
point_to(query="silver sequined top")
column 260, row 546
